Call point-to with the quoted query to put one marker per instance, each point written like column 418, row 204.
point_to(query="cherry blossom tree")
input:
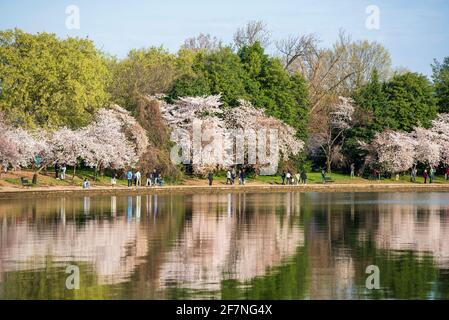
column 193, row 118
column 114, row 139
column 185, row 109
column 247, row 116
column 8, row 149
column 68, row 146
column 29, row 145
column 134, row 132
column 105, row 144
column 427, row 149
column 394, row 151
column 440, row 129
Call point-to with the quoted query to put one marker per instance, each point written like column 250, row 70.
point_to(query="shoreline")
column 12, row 193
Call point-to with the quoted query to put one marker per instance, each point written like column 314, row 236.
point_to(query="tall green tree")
column 143, row 72
column 252, row 75
column 48, row 82
column 411, row 101
column 400, row 104
column 374, row 114
column 405, row 101
column 218, row 71
column 272, row 88
column 440, row 79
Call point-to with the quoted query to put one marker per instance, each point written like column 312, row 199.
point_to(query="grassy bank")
column 12, row 179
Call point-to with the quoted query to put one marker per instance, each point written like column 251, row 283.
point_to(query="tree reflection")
column 234, row 245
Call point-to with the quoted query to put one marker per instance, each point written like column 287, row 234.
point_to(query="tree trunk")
column 329, row 160
column 74, row 172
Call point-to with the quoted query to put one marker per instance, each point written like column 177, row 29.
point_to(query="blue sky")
column 415, row 32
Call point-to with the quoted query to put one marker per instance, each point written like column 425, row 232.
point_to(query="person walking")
column 431, row 174
column 413, row 175
column 352, row 170
column 155, row 177
column 283, row 177
column 63, row 170
column 298, row 177
column 446, row 174
column 129, row 177
column 149, row 177
column 210, row 177
column 56, row 170
column 425, row 175
column 114, row 180
column 138, row 179
column 288, row 176
column 233, row 176
column 86, row 184
column 242, row 177
column 323, row 175
column 228, row 177
column 303, row 177
column 160, row 180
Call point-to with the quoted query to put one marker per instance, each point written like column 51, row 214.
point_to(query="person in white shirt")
column 138, row 178
column 228, row 177
column 289, row 177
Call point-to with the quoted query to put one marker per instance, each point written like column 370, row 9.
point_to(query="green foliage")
column 410, row 101
column 48, row 82
column 441, row 83
column 372, row 116
column 402, row 103
column 144, row 72
column 249, row 74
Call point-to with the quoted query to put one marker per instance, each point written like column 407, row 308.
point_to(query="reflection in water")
column 86, row 205
column 114, row 206
column 234, row 245
column 215, row 247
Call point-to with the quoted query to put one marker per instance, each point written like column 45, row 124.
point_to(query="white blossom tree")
column 134, row 132
column 245, row 125
column 114, row 139
column 427, row 149
column 394, row 151
column 9, row 154
column 68, row 146
column 440, row 129
column 105, row 144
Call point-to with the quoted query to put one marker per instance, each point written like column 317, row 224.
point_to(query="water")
column 227, row 246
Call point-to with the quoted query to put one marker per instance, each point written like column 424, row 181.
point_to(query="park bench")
column 25, row 182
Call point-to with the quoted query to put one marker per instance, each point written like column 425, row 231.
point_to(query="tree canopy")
column 48, row 82
column 441, row 82
column 248, row 74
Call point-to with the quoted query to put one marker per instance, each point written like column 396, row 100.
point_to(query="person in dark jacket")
column 425, row 175
column 303, row 177
column 210, row 177
column 242, row 177
column 155, row 177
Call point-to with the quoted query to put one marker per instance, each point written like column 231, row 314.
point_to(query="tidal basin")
column 288, row 245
